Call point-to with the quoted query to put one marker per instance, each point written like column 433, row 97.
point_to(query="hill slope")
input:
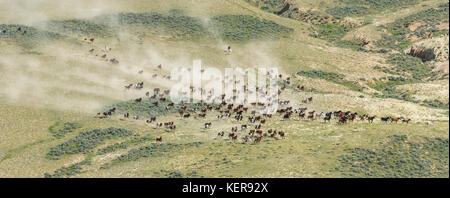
column 347, row 54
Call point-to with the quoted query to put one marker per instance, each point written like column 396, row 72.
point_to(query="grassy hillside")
column 348, row 54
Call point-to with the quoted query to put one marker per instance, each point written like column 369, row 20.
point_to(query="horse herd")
column 250, row 131
column 104, row 51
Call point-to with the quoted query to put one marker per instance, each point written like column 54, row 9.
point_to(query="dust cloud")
column 64, row 75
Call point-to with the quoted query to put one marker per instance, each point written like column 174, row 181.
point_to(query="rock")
column 285, row 8
column 435, row 49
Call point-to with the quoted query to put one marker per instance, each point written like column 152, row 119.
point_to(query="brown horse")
column 258, row 139
column 371, row 118
column 406, row 121
column 393, row 119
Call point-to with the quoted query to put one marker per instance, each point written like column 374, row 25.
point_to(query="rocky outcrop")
column 284, row 9
column 435, row 49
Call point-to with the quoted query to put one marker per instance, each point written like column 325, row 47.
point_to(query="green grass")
column 398, row 157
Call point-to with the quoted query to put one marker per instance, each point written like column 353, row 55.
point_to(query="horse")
column 128, row 86
column 258, row 140
column 406, row 121
column 327, row 118
column 395, row 120
column 371, row 118
column 385, row 119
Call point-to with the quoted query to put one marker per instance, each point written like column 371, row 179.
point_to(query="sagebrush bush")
column 341, row 12
column 61, row 131
column 153, row 150
column 410, row 65
column 332, row 77
column 244, row 27
column 86, row 141
column 65, row 172
column 398, row 157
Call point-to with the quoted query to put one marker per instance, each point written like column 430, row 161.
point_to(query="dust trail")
column 30, row 11
column 63, row 79
column 64, row 75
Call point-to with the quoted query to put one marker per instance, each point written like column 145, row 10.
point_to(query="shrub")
column 172, row 174
column 67, row 127
column 341, row 12
column 388, row 88
column 334, row 34
column 153, row 150
column 381, row 4
column 179, row 26
column 398, row 157
column 400, row 31
column 68, row 171
column 332, row 77
column 244, row 27
column 33, row 37
column 85, row 141
column 173, row 23
column 271, row 6
column 411, row 65
column 80, row 27
column 435, row 104
column 123, row 145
